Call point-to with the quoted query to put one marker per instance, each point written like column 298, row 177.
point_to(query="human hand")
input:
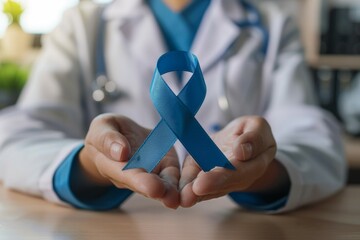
column 109, row 144
column 249, row 145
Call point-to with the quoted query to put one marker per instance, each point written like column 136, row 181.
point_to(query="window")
column 40, row 16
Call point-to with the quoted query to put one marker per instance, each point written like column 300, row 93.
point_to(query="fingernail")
column 247, row 151
column 115, row 151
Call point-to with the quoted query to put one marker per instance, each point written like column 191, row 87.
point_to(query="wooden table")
column 24, row 217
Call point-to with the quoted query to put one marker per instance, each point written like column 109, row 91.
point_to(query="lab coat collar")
column 217, row 31
column 123, row 9
column 138, row 26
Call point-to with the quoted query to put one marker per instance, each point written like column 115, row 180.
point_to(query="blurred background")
column 330, row 31
column 23, row 23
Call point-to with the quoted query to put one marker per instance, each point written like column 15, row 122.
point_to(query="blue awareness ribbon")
column 178, row 118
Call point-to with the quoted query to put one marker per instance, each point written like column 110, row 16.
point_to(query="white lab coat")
column 55, row 109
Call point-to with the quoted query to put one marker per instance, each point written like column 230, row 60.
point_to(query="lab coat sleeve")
column 48, row 121
column 308, row 139
column 66, row 176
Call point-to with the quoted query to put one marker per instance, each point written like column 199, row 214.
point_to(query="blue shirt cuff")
column 258, row 202
column 66, row 174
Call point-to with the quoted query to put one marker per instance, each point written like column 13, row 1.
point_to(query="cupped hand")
column 110, row 143
column 249, row 145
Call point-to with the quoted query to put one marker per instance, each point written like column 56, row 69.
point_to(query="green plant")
column 14, row 10
column 12, row 76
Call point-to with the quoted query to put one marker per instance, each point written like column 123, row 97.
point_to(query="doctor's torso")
column 134, row 43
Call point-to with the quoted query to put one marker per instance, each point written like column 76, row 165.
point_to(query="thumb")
column 115, row 146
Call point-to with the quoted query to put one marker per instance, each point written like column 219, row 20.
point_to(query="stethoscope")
column 105, row 89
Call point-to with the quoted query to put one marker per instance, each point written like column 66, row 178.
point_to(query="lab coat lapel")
column 216, row 33
column 146, row 42
column 138, row 26
column 123, row 10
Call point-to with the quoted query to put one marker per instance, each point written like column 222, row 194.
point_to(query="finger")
column 171, row 174
column 106, row 138
column 221, row 180
column 187, row 196
column 115, row 146
column 162, row 188
column 138, row 180
column 242, row 149
column 189, row 172
column 256, row 139
column 212, row 182
column 169, row 171
column 211, row 196
column 171, row 197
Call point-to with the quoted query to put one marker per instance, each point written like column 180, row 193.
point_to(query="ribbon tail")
column 202, row 148
column 155, row 147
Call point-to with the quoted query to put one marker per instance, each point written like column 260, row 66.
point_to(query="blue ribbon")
column 178, row 121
